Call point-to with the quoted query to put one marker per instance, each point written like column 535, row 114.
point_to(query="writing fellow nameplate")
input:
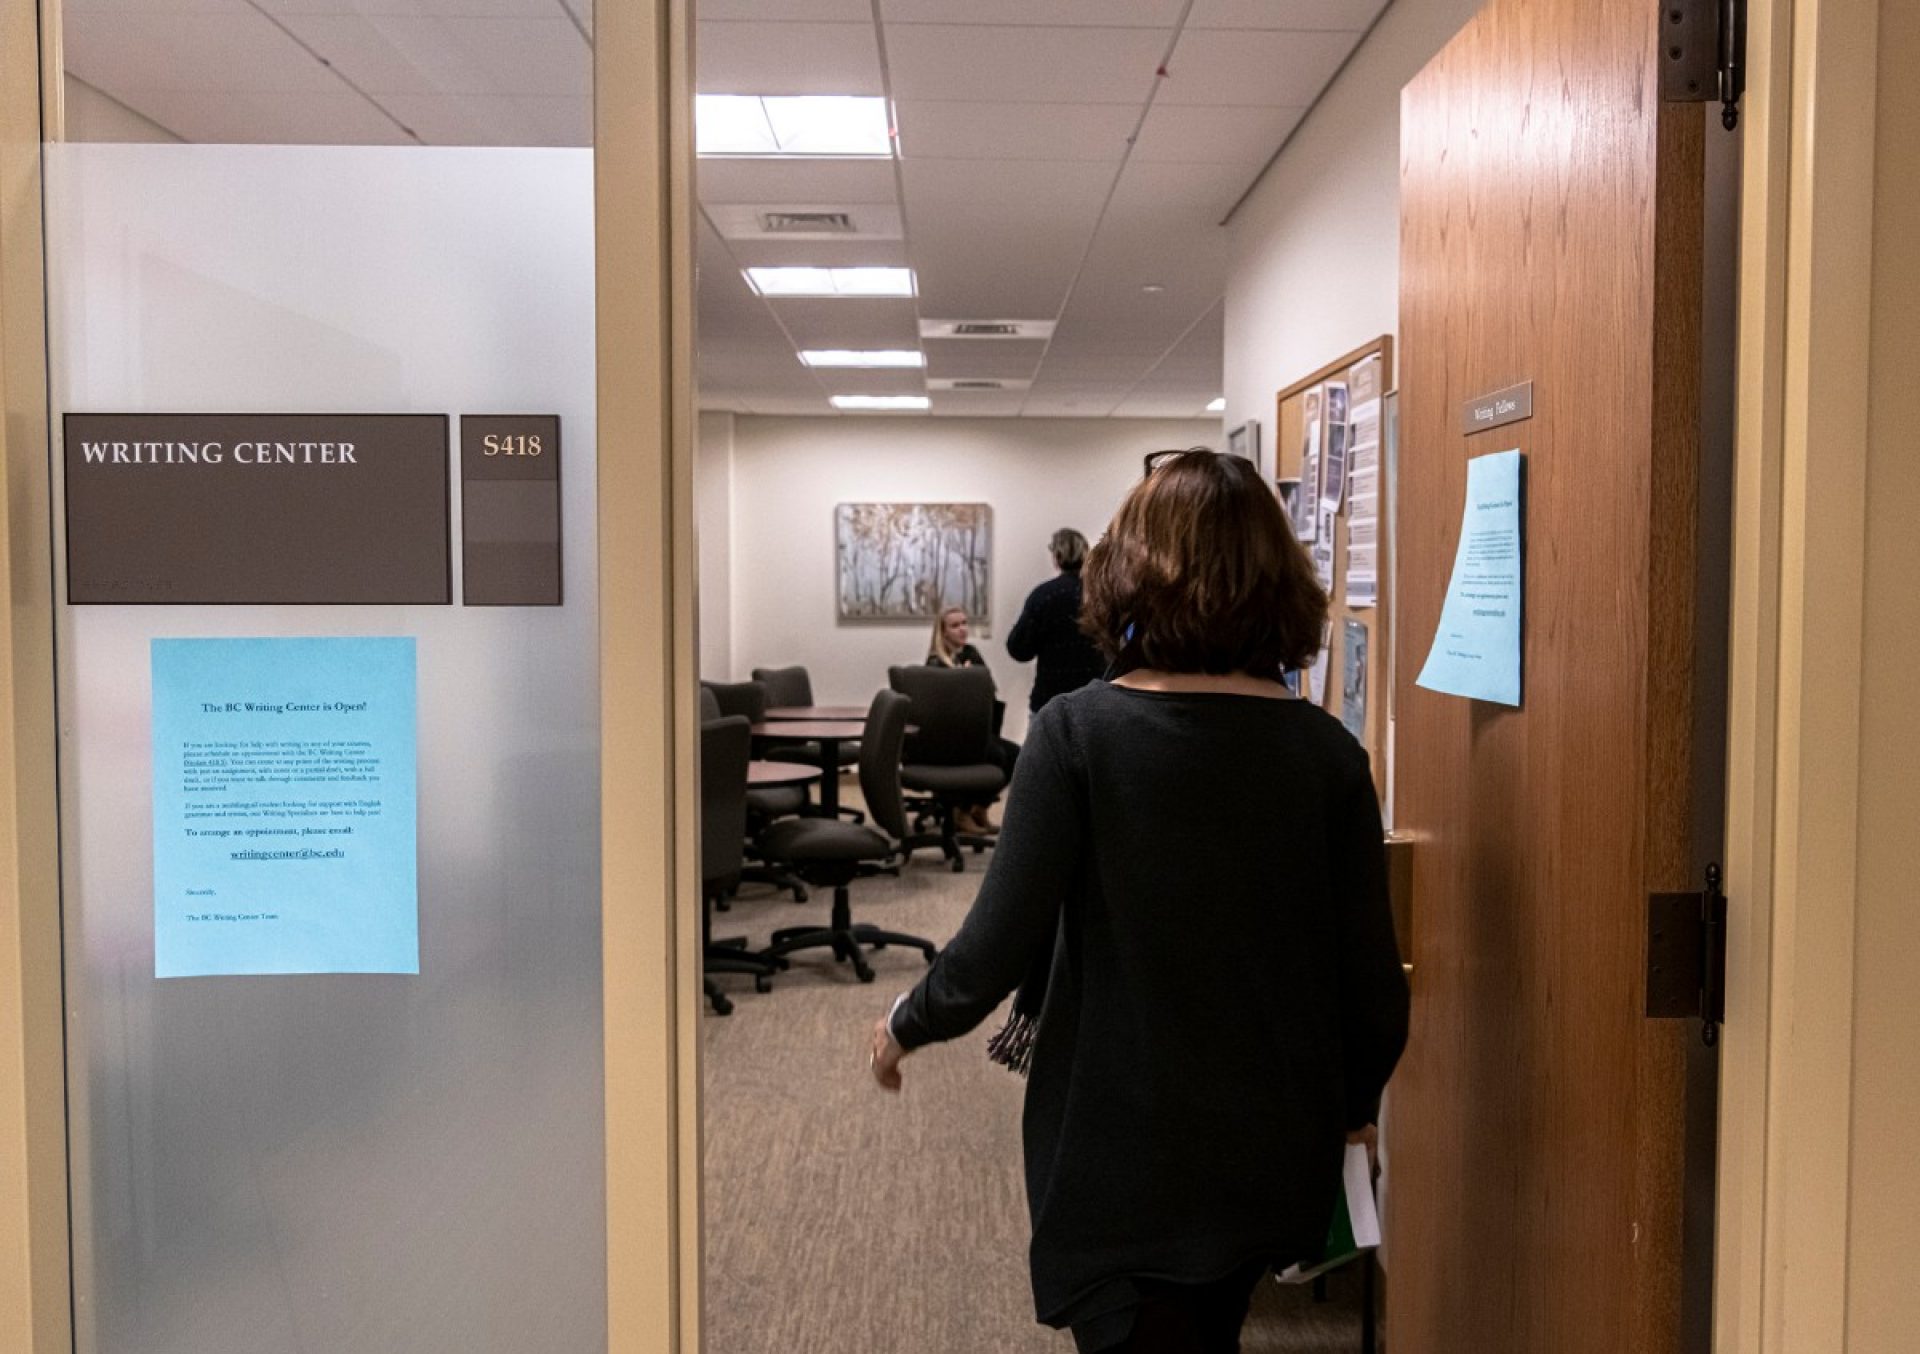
column 336, row 509
column 510, row 509
column 1502, row 406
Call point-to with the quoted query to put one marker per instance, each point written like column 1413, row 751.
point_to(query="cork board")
column 1366, row 375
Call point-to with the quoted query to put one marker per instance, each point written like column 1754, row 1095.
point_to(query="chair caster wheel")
column 799, row 894
column 761, row 983
column 929, row 956
column 865, row 973
column 959, row 866
column 877, row 945
column 722, row 905
column 722, row 1006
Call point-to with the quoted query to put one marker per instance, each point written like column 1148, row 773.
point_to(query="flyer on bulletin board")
column 1476, row 650
column 284, row 823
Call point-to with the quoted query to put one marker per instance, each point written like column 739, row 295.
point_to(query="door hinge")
column 1687, row 956
column 1703, row 54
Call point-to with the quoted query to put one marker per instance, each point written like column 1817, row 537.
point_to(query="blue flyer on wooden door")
column 1476, row 651
column 284, row 824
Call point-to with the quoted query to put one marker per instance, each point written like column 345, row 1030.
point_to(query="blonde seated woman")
column 949, row 648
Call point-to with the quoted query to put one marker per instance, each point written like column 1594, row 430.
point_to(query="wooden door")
column 1550, row 232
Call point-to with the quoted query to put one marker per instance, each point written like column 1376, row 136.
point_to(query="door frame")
column 1794, row 675
column 643, row 204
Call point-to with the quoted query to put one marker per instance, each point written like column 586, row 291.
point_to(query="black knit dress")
column 1224, row 1000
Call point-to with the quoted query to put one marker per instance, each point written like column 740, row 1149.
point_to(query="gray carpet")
column 842, row 1219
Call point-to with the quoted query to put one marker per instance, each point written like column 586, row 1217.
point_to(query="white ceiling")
column 1048, row 169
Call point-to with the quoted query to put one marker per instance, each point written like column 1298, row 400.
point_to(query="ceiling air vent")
column 975, row 383
column 986, row 329
column 804, row 221
column 807, row 223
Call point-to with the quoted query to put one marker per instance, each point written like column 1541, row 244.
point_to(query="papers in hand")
column 1356, row 1221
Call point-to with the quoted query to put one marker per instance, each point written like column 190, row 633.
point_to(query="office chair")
column 725, row 748
column 946, row 759
column 792, row 686
column 831, row 854
column 748, row 701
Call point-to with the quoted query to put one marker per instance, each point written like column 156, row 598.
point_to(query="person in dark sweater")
column 1048, row 633
column 1190, row 893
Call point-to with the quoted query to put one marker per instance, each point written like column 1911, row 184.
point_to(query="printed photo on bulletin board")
column 907, row 561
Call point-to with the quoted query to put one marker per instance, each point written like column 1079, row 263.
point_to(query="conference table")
column 766, row 775
column 792, row 713
column 829, row 734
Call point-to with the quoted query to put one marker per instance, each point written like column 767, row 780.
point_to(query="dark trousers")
column 1192, row 1318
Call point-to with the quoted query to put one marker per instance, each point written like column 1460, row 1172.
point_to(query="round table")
column 829, row 734
column 765, row 775
column 787, row 713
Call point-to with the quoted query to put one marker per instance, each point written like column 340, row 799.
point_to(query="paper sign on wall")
column 1476, row 651
column 284, row 784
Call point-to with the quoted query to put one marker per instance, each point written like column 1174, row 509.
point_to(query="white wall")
column 713, row 532
column 96, row 116
column 789, row 473
column 1315, row 251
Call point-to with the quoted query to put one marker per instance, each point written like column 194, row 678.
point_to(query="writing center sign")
column 257, row 508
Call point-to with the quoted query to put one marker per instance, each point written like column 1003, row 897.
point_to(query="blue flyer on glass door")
column 284, row 783
column 1476, row 650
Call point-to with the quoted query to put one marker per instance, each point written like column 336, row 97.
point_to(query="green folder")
column 1356, row 1222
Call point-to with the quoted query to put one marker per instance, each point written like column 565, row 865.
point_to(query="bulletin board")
column 1349, row 394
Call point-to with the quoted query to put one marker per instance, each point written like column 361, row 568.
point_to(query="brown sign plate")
column 1502, row 406
column 339, row 509
column 510, row 509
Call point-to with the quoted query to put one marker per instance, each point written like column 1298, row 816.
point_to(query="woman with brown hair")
column 1190, row 892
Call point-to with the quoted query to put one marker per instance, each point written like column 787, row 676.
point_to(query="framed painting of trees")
column 907, row 561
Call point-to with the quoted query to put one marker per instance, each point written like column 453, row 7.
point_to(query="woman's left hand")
column 885, row 1056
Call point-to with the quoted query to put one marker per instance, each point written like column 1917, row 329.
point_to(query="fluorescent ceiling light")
column 874, row 357
column 881, row 402
column 831, row 281
column 812, row 124
column 1218, row 406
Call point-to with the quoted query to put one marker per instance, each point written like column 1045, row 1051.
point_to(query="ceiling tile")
column 493, row 120
column 336, row 117
column 1022, row 64
column 1090, row 13
column 202, row 53
column 1206, row 134
column 788, row 11
column 787, row 58
column 391, row 54
column 836, row 182
column 998, row 359
column 841, row 381
column 543, row 57
column 1000, row 240
column 422, row 9
column 978, row 403
column 1262, row 69
column 459, row 119
column 563, row 121
column 1152, row 404
column 766, row 253
column 1015, row 131
column 156, row 6
column 849, row 324
column 1352, row 15
column 1072, row 402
